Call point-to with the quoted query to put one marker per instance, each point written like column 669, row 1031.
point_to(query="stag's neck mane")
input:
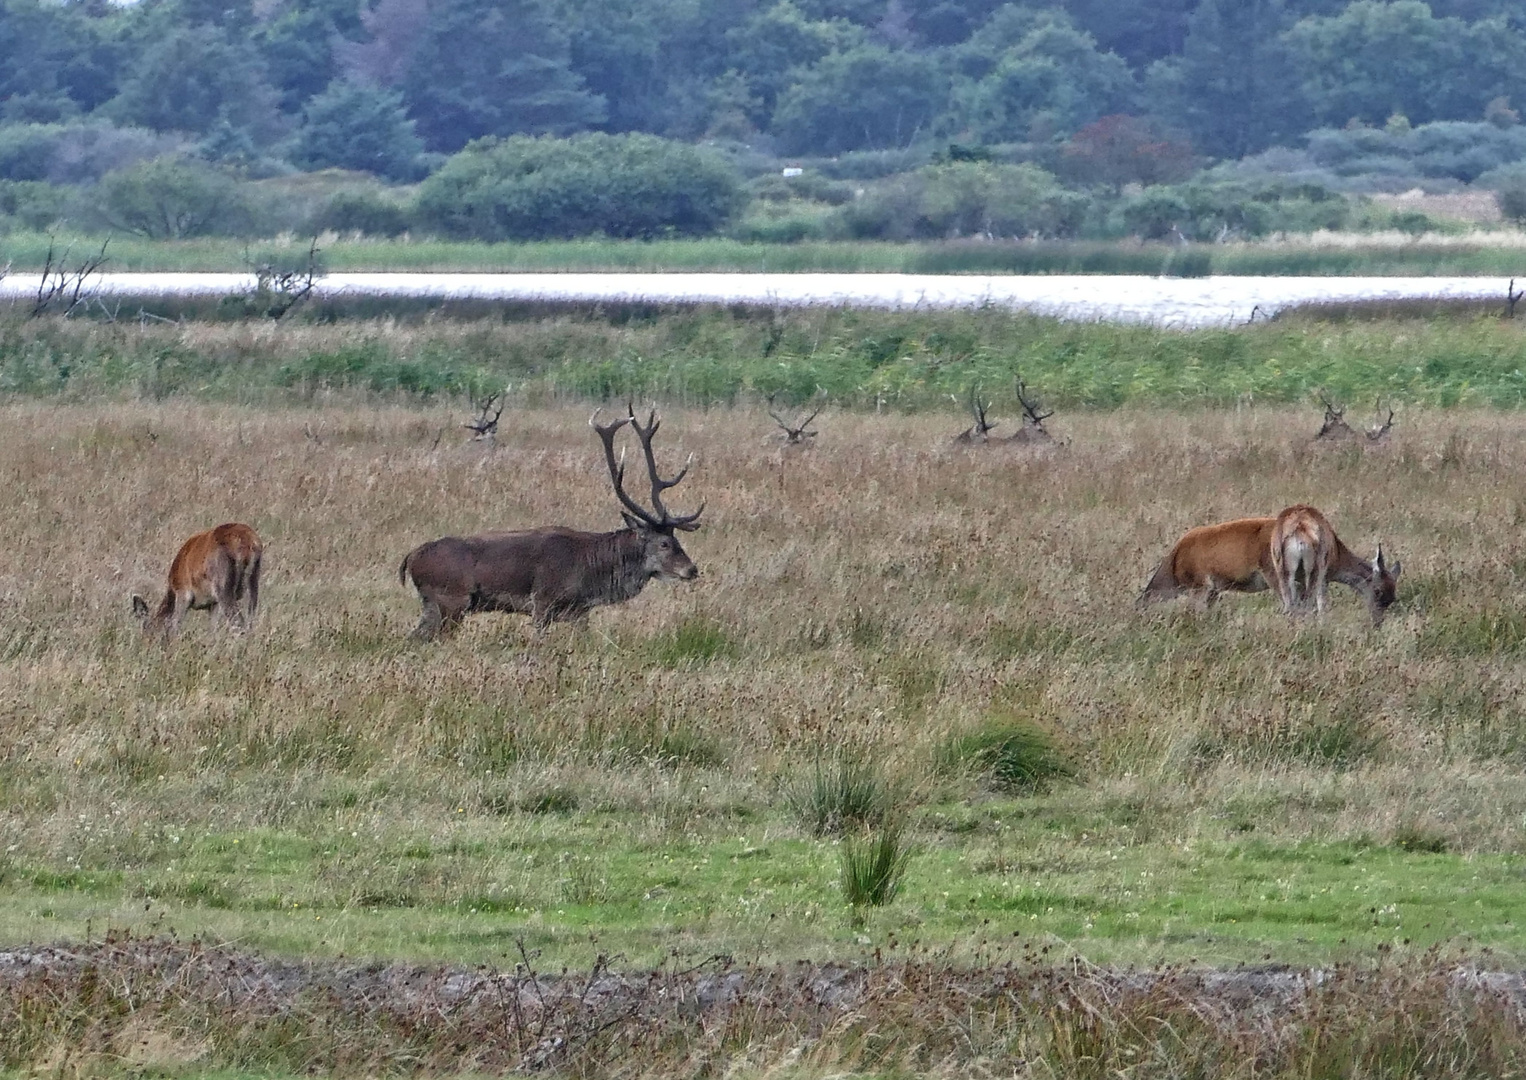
column 619, row 565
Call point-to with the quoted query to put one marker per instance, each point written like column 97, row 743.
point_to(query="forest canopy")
column 395, row 87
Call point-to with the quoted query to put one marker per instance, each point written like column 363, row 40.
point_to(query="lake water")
column 1163, row 301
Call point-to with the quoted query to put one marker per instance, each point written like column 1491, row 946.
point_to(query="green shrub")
column 1193, row 262
column 32, row 205
column 173, row 198
column 524, row 188
column 1013, row 753
column 839, row 792
column 966, row 198
column 76, row 153
column 361, row 212
column 1512, row 201
column 874, row 867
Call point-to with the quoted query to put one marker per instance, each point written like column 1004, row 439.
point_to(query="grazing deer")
column 1307, row 555
column 1232, row 556
column 216, row 569
column 555, row 573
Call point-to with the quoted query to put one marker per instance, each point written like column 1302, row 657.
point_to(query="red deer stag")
column 1232, row 556
column 217, row 569
column 554, row 573
column 1306, row 556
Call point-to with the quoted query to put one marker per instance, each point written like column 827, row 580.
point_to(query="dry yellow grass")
column 882, row 591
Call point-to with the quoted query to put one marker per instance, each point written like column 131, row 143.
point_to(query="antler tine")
column 617, row 468
column 1031, row 407
column 644, row 433
column 808, row 420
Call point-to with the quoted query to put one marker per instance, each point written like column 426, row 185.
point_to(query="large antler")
column 485, row 426
column 795, row 434
column 662, row 518
column 1031, row 406
column 686, row 522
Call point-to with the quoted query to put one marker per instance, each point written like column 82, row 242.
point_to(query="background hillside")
column 907, row 118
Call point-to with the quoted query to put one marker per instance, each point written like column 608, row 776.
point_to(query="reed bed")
column 1483, row 252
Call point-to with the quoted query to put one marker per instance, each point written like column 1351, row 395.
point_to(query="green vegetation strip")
column 1356, row 257
column 464, row 889
column 710, row 356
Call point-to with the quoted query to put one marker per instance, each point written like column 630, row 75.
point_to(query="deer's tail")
column 402, row 570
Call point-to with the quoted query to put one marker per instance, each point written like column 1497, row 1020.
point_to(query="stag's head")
column 663, row 556
column 1382, row 587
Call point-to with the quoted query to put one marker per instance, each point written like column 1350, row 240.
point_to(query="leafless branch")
column 66, row 284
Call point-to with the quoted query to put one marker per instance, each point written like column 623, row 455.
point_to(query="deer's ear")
column 139, row 606
column 1396, row 569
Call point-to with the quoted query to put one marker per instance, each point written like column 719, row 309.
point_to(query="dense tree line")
column 393, row 87
column 813, row 76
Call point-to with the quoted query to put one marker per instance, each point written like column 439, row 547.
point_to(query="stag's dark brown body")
column 554, row 573
column 549, row 574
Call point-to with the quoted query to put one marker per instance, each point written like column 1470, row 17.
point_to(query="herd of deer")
column 554, row 573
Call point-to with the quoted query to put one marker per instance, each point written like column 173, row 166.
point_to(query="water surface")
column 1162, row 301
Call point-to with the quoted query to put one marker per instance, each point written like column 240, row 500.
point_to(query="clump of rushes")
column 841, row 791
column 874, row 866
column 1014, row 754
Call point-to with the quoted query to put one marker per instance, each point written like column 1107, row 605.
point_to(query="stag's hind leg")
column 439, row 616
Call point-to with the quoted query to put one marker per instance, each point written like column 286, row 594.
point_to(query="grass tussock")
column 1013, row 753
column 840, row 791
column 874, row 866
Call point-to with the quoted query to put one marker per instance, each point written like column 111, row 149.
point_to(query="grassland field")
column 1235, row 786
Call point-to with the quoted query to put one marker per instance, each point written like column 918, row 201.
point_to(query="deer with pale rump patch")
column 1307, row 555
column 217, row 570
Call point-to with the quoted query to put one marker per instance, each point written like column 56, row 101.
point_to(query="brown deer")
column 555, row 573
column 213, row 570
column 485, row 427
column 980, row 434
column 1031, row 429
column 1232, row 556
column 1335, row 428
column 794, row 434
column 1306, row 556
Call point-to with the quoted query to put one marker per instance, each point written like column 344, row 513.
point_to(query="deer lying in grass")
column 798, row 435
column 1232, row 556
column 555, row 573
column 980, row 434
column 1306, row 556
column 1334, row 428
column 1031, row 428
column 214, row 570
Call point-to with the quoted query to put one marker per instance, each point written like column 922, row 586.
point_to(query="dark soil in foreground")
column 154, row 1003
